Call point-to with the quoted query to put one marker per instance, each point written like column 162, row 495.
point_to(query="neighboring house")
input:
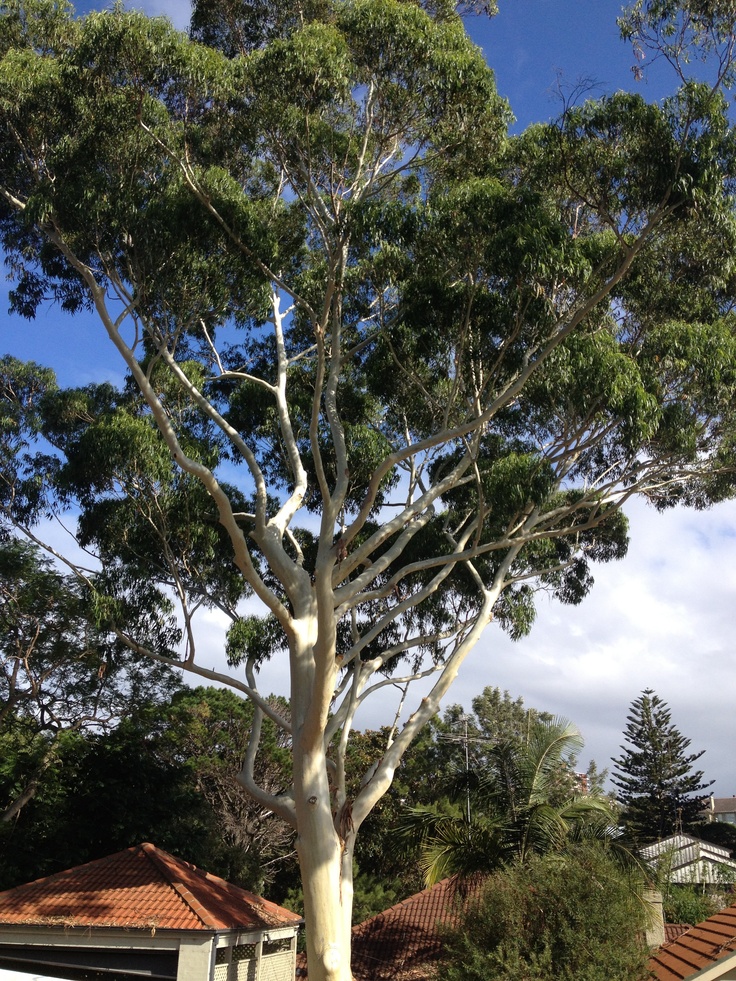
column 143, row 913
column 691, row 860
column 721, row 809
column 404, row 943
column 706, row 952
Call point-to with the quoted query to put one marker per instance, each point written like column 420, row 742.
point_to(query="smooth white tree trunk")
column 324, row 841
column 328, row 899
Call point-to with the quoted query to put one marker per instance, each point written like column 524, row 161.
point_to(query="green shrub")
column 690, row 904
column 571, row 917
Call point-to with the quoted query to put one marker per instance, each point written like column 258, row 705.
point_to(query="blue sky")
column 536, row 46
column 663, row 618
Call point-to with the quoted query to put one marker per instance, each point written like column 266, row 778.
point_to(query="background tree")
column 59, row 674
column 657, row 786
column 497, row 719
column 527, row 801
column 575, row 917
column 433, row 781
column 382, row 855
column 206, row 731
column 389, row 371
column 719, row 832
column 165, row 773
column 131, row 794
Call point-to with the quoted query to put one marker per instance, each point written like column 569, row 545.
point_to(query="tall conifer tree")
column 656, row 783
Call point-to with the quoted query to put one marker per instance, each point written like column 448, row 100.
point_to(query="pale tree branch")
column 279, row 804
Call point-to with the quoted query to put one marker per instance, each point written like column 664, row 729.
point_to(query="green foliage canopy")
column 59, row 673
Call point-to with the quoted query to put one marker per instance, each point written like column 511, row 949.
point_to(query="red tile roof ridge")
column 446, row 889
column 171, row 868
column 388, row 914
column 12, row 899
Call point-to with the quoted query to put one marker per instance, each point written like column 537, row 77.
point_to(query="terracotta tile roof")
column 674, row 930
column 140, row 888
column 700, row 947
column 404, row 942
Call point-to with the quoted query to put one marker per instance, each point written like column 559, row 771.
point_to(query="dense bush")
column 691, row 904
column 571, row 917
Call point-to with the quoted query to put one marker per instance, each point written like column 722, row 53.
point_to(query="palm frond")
column 463, row 850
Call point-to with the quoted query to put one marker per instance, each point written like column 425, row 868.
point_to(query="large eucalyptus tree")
column 390, row 371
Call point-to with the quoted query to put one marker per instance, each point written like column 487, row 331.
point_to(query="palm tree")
column 527, row 802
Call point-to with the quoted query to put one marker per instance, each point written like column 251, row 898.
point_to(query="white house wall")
column 710, row 873
column 196, row 960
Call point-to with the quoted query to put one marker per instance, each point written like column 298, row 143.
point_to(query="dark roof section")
column 722, row 805
column 139, row 888
column 700, row 947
